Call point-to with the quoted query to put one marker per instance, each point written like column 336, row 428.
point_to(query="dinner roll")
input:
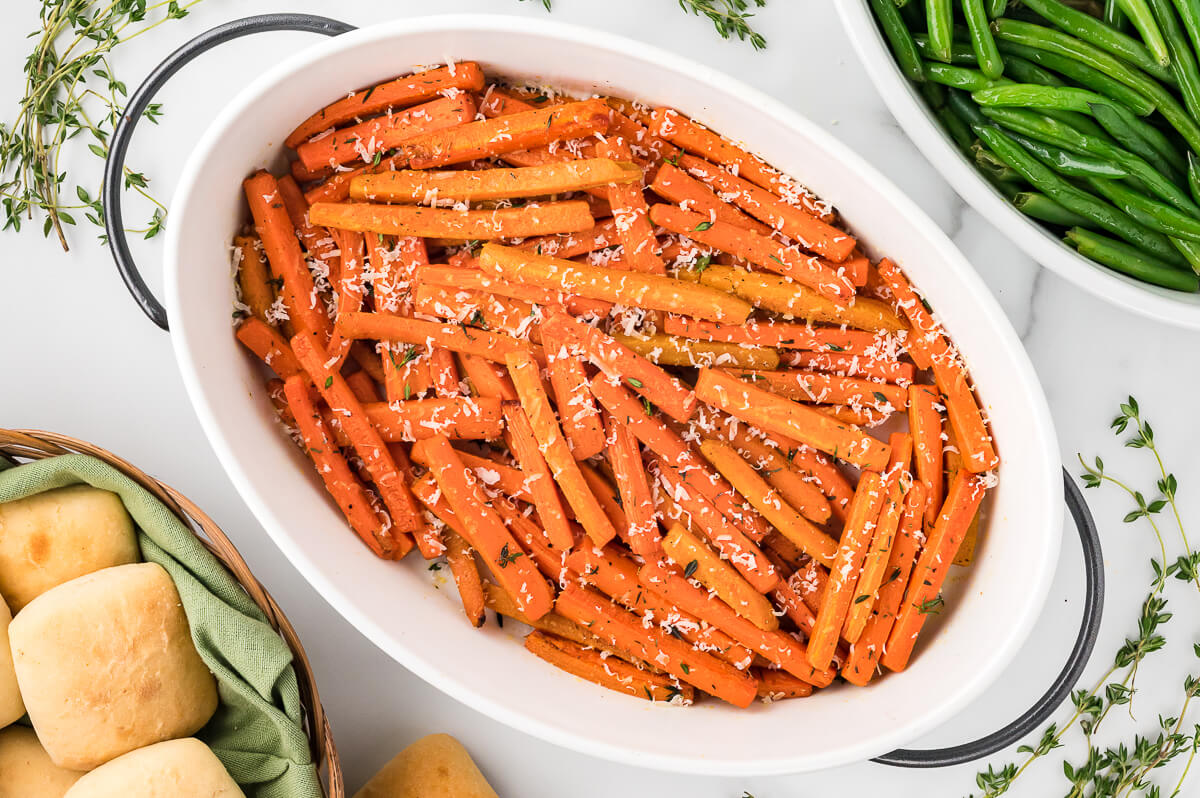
column 52, row 537
column 106, row 664
column 436, row 766
column 174, row 769
column 26, row 770
column 11, row 705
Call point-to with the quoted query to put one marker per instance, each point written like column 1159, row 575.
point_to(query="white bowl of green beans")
column 1071, row 125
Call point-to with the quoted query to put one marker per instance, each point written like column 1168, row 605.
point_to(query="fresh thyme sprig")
column 1126, row 768
column 731, row 18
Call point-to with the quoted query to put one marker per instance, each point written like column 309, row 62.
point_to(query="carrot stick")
column 553, row 446
column 674, row 184
column 253, row 277
column 839, row 589
column 539, row 479
column 953, row 457
column 478, row 309
column 888, row 370
column 460, row 417
column 896, row 481
column 619, row 363
column 404, row 91
column 607, row 672
column 776, row 334
column 411, row 220
column 406, row 373
column 368, row 443
column 606, row 493
column 350, row 288
column 809, row 583
column 949, row 373
column 265, row 341
column 671, row 350
column 495, row 475
column 318, row 243
column 793, row 606
column 602, row 236
column 489, row 184
column 702, row 563
column 278, row 237
column 630, row 213
column 550, row 561
column 466, row 577
column 767, row 501
column 795, row 223
column 369, row 140
column 826, row 475
column 487, row 379
column 818, row 387
column 779, row 294
column 771, row 464
column 484, row 529
column 443, row 371
column 343, row 486
column 501, row 603
column 625, row 630
column 864, row 655
column 925, row 422
column 576, row 408
column 683, row 132
column 302, row 174
column 778, row 647
column 963, row 498
column 776, row 414
column 810, row 270
column 777, row 685
column 624, row 457
column 396, row 329
column 475, row 280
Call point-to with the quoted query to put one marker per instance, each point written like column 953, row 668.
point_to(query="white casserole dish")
column 396, row 605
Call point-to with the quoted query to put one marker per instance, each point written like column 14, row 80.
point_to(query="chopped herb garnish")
column 702, row 263
column 932, row 607
column 862, row 598
column 880, row 397
column 328, row 381
column 835, row 348
column 683, row 666
column 508, row 557
column 700, row 228
column 690, row 569
column 635, row 382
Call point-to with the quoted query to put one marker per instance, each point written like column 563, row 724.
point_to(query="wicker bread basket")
column 27, row 445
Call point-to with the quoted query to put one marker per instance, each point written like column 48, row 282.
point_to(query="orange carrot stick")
column 475, row 308
column 318, row 243
column 819, row 387
column 341, row 483
column 576, row 408
column 839, row 590
column 703, row 564
column 553, row 446
column 495, row 475
column 350, row 288
column 777, row 685
column 779, row 647
column 770, row 463
column 412, row 220
column 539, row 479
column 925, row 422
column 461, row 560
column 586, row 663
column 396, row 329
column 826, row 475
column 625, row 630
column 776, row 414
column 302, row 174
column 602, row 236
column 460, row 417
column 776, row 335
column 501, row 603
column 674, row 184
column 487, row 379
column 672, row 350
column 253, row 277
column 491, row 184
column 886, row 369
column 820, row 275
column 398, row 93
column 963, row 498
column 624, row 457
column 949, row 373
column 270, row 347
column 630, row 213
column 619, row 363
column 475, row 280
column 444, row 371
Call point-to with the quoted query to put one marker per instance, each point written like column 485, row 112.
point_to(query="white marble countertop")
column 78, row 357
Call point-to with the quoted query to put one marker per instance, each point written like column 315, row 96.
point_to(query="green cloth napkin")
column 257, row 730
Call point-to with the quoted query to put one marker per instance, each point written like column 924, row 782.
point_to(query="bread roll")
column 175, row 769
column 11, row 705
column 52, row 537
column 106, row 664
column 26, row 770
column 436, row 766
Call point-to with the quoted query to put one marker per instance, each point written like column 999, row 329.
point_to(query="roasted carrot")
column 398, row 93
column 539, row 479
column 677, row 657
column 925, row 422
column 396, row 329
column 674, row 184
column 840, row 588
column 886, row 369
column 464, row 417
column 512, row 317
column 350, row 288
column 612, row 673
column 777, row 685
column 703, row 564
column 963, row 498
column 343, row 486
column 624, row 456
column 466, row 577
column 553, row 446
column 302, row 174
column 490, row 184
column 821, row 388
column 473, row 279
column 253, row 277
column 770, row 463
column 602, row 236
column 777, row 414
column 411, row 220
column 500, row 602
column 766, row 253
column 265, row 341
column 672, row 350
column 576, row 408
column 484, row 530
column 778, row 647
column 776, row 334
column 486, row 378
column 767, row 501
column 490, row 473
column 630, row 213
column 962, row 408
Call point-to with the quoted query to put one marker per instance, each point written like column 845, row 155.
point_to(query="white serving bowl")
column 1175, row 307
column 397, row 606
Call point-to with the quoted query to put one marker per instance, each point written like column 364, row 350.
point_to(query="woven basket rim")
column 32, row 444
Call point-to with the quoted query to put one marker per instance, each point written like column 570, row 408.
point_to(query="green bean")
column 1095, row 32
column 991, row 165
column 1183, row 59
column 1103, row 214
column 996, row 8
column 1123, row 258
column 939, row 21
column 1190, row 251
column 1193, row 177
column 981, row 39
column 1067, row 163
column 957, row 77
column 1141, row 139
column 1142, row 18
column 961, row 103
column 960, row 54
column 1189, row 12
column 1154, row 215
column 1028, row 95
column 1083, row 74
column 1025, row 71
column 1044, row 209
column 903, row 47
column 959, row 131
column 934, row 94
column 1113, row 16
column 1055, row 41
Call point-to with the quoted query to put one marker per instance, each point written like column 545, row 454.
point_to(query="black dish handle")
column 1085, row 641
column 114, row 166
